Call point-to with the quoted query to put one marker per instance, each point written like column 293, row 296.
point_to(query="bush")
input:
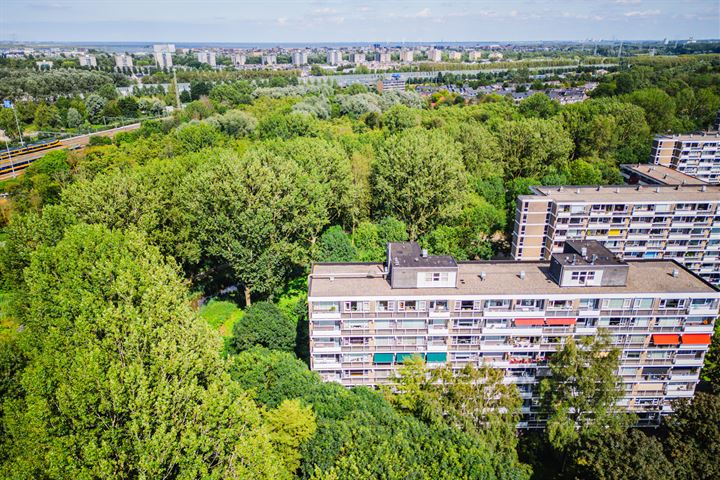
column 98, row 140
column 263, row 325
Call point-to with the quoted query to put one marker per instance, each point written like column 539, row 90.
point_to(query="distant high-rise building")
column 334, row 57
column 475, row 55
column 406, row 55
column 358, row 58
column 238, row 59
column 87, row 60
column 394, row 82
column 434, row 55
column 455, row 55
column 123, row 61
column 495, row 56
column 207, row 58
column 44, row 65
column 163, row 59
column 383, row 57
column 269, row 59
column 300, row 57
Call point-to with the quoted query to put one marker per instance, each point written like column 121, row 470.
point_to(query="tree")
column 371, row 239
column 692, row 437
column 73, row 119
column 538, row 105
column 123, row 380
column 195, row 136
column 399, row 117
column 255, row 215
column 581, row 392
column 622, row 455
column 335, row 246
column 659, row 108
column 263, row 325
column 199, row 88
column 419, row 178
column 95, row 105
column 235, row 123
column 711, row 368
column 529, row 146
column 128, row 107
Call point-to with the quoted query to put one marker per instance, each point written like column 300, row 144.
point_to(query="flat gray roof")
column 629, row 193
column 501, row 278
column 409, row 255
column 663, row 174
column 708, row 135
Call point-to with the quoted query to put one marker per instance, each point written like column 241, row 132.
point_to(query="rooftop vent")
column 522, row 275
column 597, row 188
column 703, row 188
column 332, row 278
column 657, row 189
column 593, row 258
column 577, row 190
column 637, row 188
column 424, row 253
column 583, row 252
column 675, row 272
column 482, row 275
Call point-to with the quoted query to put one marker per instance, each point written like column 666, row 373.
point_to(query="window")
column 385, row 306
column 529, row 304
column 325, row 307
column 439, row 305
column 436, row 277
column 671, row 303
column 582, row 277
column 357, row 306
column 616, row 303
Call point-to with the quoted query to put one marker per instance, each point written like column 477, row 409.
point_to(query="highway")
column 72, row 143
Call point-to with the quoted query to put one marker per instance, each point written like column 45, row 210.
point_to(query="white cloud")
column 325, row 11
column 628, row 2
column 642, row 13
column 424, row 13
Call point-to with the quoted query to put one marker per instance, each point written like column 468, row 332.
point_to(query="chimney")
column 583, row 252
column 703, row 188
column 675, row 272
column 522, row 275
column 593, row 258
column 483, row 275
column 424, row 253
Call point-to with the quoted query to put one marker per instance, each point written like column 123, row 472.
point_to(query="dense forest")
column 153, row 286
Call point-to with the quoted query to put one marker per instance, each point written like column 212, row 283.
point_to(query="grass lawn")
column 221, row 315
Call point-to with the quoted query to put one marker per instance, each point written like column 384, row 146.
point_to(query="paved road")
column 71, row 143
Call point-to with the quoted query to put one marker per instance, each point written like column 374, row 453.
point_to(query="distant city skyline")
column 356, row 21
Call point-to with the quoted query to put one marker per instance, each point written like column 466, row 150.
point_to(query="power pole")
column 17, row 122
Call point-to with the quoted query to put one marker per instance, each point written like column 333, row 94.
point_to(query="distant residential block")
column 475, row 55
column 123, row 61
column 163, row 59
column 207, row 58
column 455, row 55
column 87, row 60
column 651, row 174
column 383, row 57
column 269, row 59
column 300, row 58
column 164, row 47
column 357, row 58
column 238, row 59
column 406, row 56
column 434, row 55
column 334, row 57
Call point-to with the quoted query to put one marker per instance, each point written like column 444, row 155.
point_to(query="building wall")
column 696, row 155
column 361, row 340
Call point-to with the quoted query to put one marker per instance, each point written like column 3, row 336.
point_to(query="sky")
column 355, row 20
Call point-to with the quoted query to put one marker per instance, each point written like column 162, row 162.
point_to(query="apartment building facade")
column 675, row 222
column 652, row 174
column 366, row 319
column 695, row 154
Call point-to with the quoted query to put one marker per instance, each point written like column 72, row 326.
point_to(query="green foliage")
column 538, row 105
column 193, row 137
column 335, row 246
column 399, row 117
column 122, row 379
column 99, row 140
column 234, row 123
column 692, row 437
column 287, row 126
column 371, row 239
column 263, row 325
column 95, row 105
column 419, row 178
column 221, row 314
column 581, row 392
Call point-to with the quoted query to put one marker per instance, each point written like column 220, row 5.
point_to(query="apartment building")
column 366, row 318
column 358, row 58
column 163, row 59
column 87, row 60
column 407, row 56
column 334, row 57
column 434, row 55
column 677, row 222
column 299, row 58
column 269, row 59
column 383, row 57
column 475, row 56
column 123, row 60
column 207, row 58
column 238, row 59
column 455, row 56
column 696, row 154
column 651, row 174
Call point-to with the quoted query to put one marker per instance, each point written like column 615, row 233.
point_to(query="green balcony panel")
column 382, row 358
column 437, row 357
